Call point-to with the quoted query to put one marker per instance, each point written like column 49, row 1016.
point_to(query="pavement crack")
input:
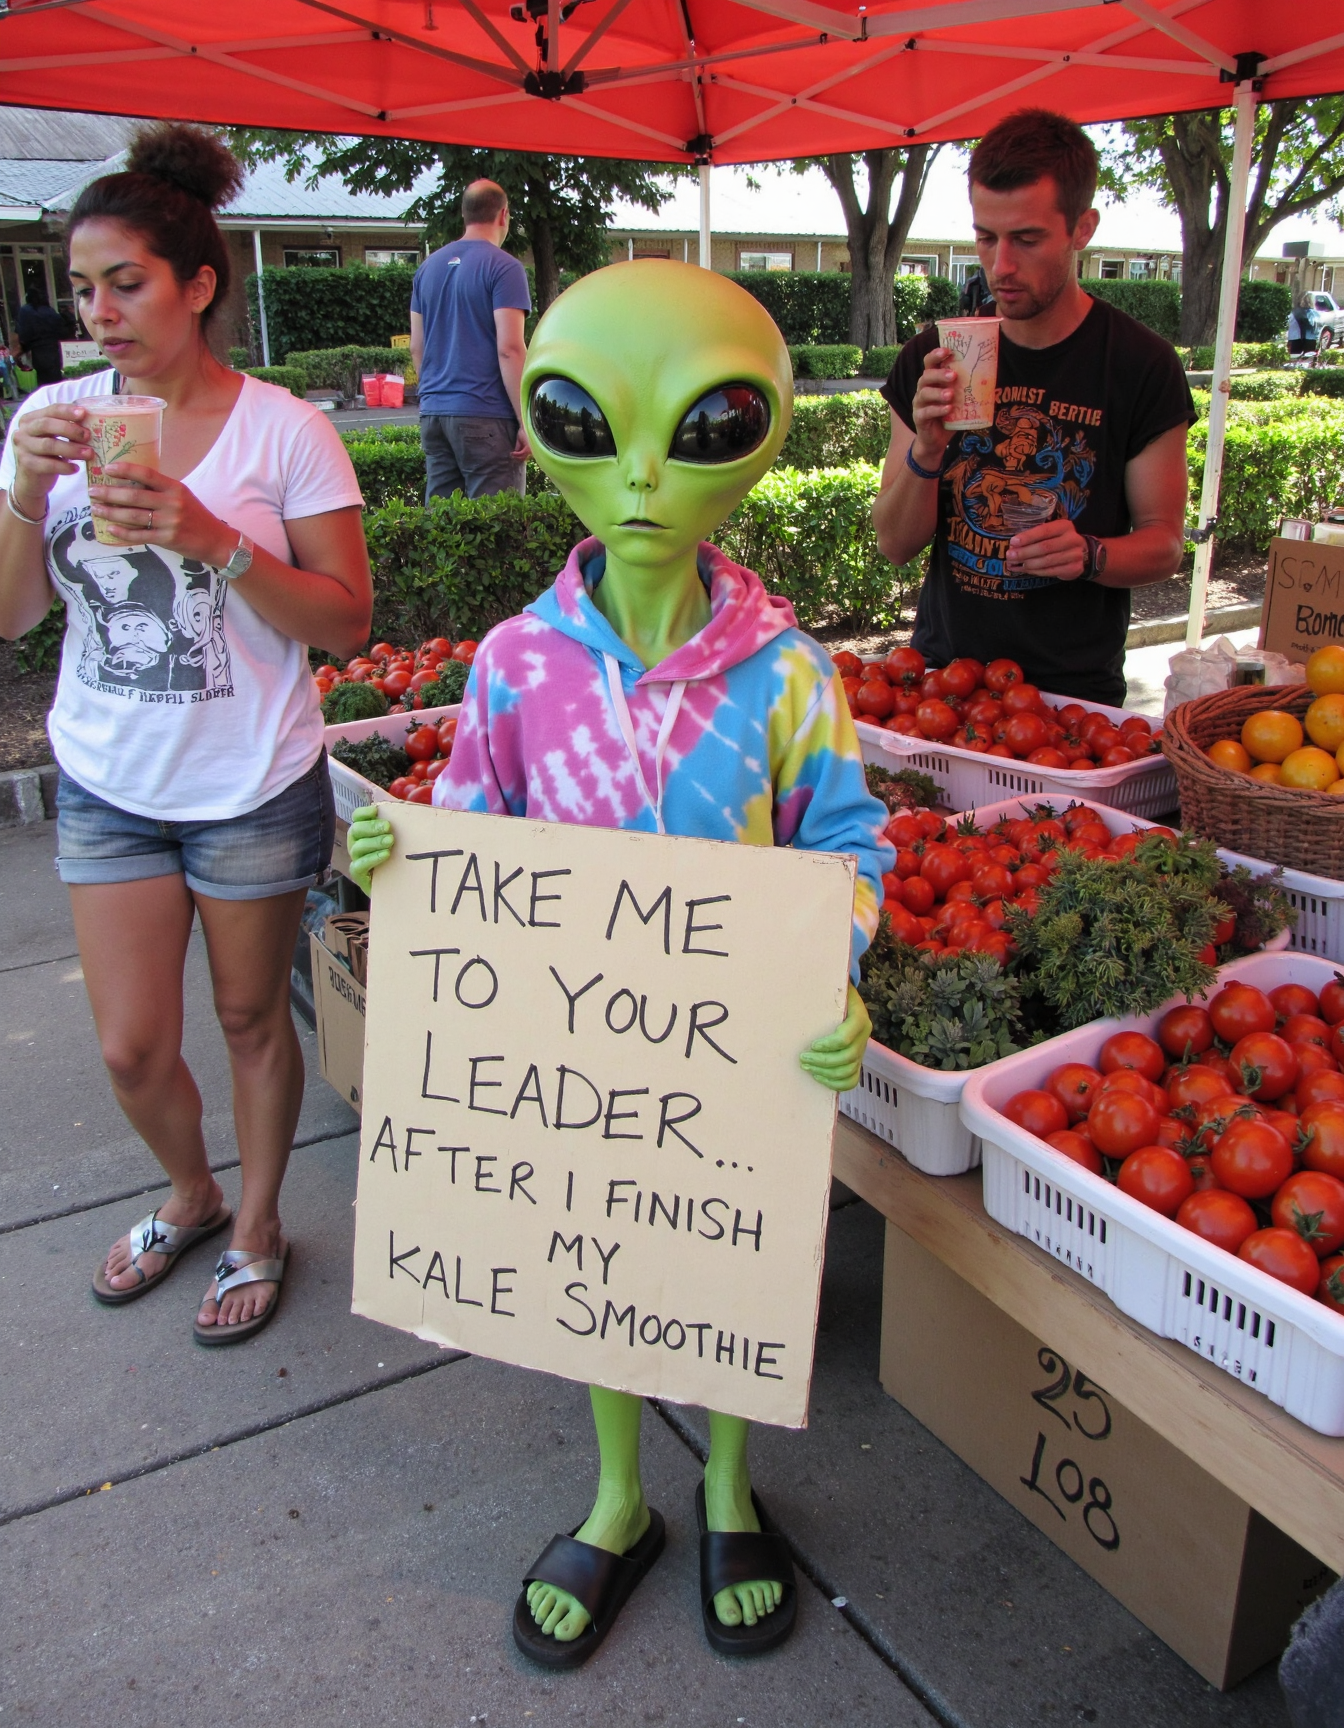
column 873, row 1636
column 78, row 1206
column 217, row 1443
column 47, row 960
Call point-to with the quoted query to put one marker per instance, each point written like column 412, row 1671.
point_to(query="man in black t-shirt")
column 1042, row 523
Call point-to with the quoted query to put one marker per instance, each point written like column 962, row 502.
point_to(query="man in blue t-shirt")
column 467, row 310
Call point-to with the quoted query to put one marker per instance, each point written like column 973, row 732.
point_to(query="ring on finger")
column 150, row 523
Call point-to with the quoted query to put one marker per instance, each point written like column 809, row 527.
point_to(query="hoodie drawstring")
column 626, row 725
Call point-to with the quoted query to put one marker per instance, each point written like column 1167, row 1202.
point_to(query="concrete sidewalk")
column 328, row 1525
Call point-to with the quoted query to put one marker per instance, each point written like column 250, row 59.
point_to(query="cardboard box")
column 338, row 1002
column 1211, row 1577
column 347, row 936
column 1304, row 598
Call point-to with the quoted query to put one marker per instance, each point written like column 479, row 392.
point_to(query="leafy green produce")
column 350, row 702
column 447, row 687
column 374, row 758
column 1261, row 906
column 949, row 1011
column 906, row 789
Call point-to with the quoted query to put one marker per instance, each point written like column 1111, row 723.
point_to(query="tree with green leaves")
column 876, row 230
column 1298, row 167
column 561, row 206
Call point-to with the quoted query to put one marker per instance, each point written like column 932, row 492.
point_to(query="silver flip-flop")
column 234, row 1268
column 153, row 1236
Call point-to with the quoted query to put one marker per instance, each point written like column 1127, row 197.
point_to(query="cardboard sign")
column 587, row 1144
column 1304, row 598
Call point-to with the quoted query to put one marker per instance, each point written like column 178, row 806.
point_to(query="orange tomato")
column 1309, row 769
column 1227, row 753
column 1325, row 722
column 1269, row 772
column 1271, row 735
column 1325, row 671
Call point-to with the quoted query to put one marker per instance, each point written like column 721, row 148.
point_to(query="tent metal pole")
column 705, row 256
column 261, row 299
column 1243, row 141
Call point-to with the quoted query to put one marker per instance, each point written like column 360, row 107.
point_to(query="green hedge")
column 291, row 378
column 1322, row 383
column 941, row 299
column 327, row 308
column 1260, row 354
column 387, row 468
column 1156, row 304
column 808, row 305
column 908, row 294
column 1262, row 310
column 86, row 368
column 1273, row 466
column 341, row 368
column 878, row 362
column 1263, row 386
column 833, row 431
column 825, row 360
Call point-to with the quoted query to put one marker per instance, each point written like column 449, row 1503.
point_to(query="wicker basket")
column 1302, row 830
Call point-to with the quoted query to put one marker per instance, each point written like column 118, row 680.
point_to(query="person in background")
column 193, row 780
column 1304, row 327
column 40, row 327
column 468, row 306
column 1042, row 523
column 975, row 301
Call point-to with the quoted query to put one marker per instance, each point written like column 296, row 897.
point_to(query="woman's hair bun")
column 193, row 160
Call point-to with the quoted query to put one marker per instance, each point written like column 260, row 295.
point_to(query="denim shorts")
column 282, row 845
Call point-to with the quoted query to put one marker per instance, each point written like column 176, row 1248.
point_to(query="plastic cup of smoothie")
column 121, row 429
column 974, row 345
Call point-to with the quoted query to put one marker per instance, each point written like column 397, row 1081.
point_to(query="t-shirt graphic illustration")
column 153, row 621
column 1024, row 470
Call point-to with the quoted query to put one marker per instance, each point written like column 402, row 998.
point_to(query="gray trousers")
column 470, row 453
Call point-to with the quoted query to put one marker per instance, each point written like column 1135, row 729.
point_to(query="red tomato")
column 1195, row 1085
column 985, row 711
column 1171, row 1131
column 905, row 927
column 904, row 667
column 1157, row 1177
column 1020, row 699
column 1322, row 1127
column 1312, row 1203
column 381, row 651
column 419, row 771
column 1327, row 1084
column 447, row 732
column 435, row 769
column 1031, row 876
column 918, row 895
column 322, row 686
column 421, row 794
column 1039, row 1113
column 465, row 652
column 875, row 697
column 1332, row 1000
column 1330, row 1290
column 1239, row 1009
column 1024, row 732
column 1132, row 1050
column 1305, row 1029
column 936, row 720
column 846, row 664
column 960, row 678
column 1285, row 1257
column 1077, row 1147
column 1115, row 756
column 999, row 674
column 1252, row 1159
column 992, row 881
column 1219, row 1217
column 1130, row 1080
column 931, row 687
column 423, row 744
column 401, row 788
column 1263, row 1065
column 420, row 679
column 396, row 684
column 904, row 830
column 1048, row 757
column 1289, row 999
column 1120, row 1122
column 942, row 866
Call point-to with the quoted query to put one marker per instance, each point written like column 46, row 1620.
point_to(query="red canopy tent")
column 682, row 80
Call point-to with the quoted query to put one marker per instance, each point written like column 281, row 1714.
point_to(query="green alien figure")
column 656, row 685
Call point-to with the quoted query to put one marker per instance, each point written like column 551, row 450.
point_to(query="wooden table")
column 1291, row 1475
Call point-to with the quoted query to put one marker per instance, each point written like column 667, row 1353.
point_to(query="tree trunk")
column 1201, row 279
column 544, row 266
column 876, row 236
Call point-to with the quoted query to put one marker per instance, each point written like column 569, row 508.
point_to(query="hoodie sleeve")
column 822, row 801
column 485, row 772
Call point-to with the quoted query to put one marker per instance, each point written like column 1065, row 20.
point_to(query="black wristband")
column 914, row 467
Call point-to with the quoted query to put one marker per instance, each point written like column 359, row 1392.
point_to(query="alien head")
column 656, row 396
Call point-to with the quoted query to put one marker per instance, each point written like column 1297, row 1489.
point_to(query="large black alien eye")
column 725, row 423
column 568, row 421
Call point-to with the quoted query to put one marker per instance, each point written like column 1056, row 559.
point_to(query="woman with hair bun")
column 186, row 725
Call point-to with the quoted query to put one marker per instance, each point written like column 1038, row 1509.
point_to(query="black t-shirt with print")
column 1068, row 419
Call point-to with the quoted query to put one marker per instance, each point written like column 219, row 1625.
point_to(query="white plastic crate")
column 350, row 790
column 1286, row 1345
column 1143, row 788
column 1320, row 909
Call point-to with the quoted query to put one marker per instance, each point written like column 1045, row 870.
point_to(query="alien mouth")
column 642, row 522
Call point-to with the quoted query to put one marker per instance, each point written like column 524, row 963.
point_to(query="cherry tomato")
column 1076, row 1147
column 1219, row 1217
column 1157, row 1177
column 1312, row 1203
column 1132, row 1050
column 1264, row 1065
column 1121, row 1122
column 1332, row 1000
column 1330, row 1290
column 1115, row 756
column 423, row 744
column 999, row 674
column 904, row 667
column 1039, row 1113
column 905, row 927
column 1317, row 1088
column 1196, row 1085
column 1289, row 999
column 401, row 788
column 942, row 866
column 447, row 733
column 465, row 652
column 1020, row 699
column 1252, row 1159
column 960, row 677
column 1239, row 1009
column 1284, row 1256
column 936, row 720
column 846, row 664
column 396, row 684
column 434, row 769
column 1311, row 1059
column 1322, row 1128
column 381, row 651
column 423, row 793
column 1305, row 1029
column 875, row 697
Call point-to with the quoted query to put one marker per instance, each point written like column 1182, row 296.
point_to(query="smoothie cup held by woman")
column 186, row 725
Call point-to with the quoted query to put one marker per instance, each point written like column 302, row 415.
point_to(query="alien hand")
column 369, row 844
column 836, row 1059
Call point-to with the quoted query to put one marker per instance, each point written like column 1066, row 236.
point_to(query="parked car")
column 1330, row 319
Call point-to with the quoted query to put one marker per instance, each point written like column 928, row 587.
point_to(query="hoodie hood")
column 743, row 617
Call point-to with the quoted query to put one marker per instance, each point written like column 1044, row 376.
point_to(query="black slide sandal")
column 729, row 1557
column 602, row 1582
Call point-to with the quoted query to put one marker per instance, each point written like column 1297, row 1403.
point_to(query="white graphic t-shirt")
column 176, row 699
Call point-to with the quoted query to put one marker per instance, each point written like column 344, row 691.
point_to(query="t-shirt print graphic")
column 151, row 622
column 1025, row 470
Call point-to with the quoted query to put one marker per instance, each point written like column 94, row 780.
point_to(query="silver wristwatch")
column 241, row 561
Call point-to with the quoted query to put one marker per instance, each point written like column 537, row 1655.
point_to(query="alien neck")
column 655, row 610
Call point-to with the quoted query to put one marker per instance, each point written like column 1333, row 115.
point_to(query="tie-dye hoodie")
column 762, row 749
